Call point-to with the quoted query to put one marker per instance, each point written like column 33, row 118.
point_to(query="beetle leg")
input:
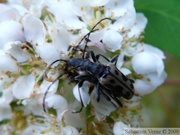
column 98, row 56
column 98, row 92
column 82, row 77
column 108, row 97
column 109, row 92
column 82, row 105
column 114, row 59
column 93, row 56
column 117, row 101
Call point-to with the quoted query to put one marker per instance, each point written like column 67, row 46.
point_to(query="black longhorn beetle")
column 107, row 79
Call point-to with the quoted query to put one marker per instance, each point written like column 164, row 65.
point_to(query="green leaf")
column 163, row 28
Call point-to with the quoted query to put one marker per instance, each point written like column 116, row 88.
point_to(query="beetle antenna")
column 86, row 37
column 44, row 106
column 45, row 73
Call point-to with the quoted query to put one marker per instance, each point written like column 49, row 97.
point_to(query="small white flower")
column 152, row 59
column 145, row 62
column 150, row 65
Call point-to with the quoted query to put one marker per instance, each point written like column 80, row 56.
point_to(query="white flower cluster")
column 34, row 33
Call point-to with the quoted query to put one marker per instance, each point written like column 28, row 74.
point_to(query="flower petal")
column 5, row 111
column 60, row 39
column 23, row 86
column 112, row 39
column 119, row 127
column 57, row 102
column 98, row 2
column 156, row 80
column 120, row 61
column 7, row 13
column 44, row 86
column 6, row 96
column 125, row 71
column 155, row 50
column 72, row 118
column 47, row 52
column 143, row 87
column 33, row 105
column 10, row 31
column 149, row 83
column 5, row 61
column 139, row 26
column 15, row 50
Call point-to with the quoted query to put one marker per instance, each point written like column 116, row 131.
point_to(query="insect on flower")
column 107, row 79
